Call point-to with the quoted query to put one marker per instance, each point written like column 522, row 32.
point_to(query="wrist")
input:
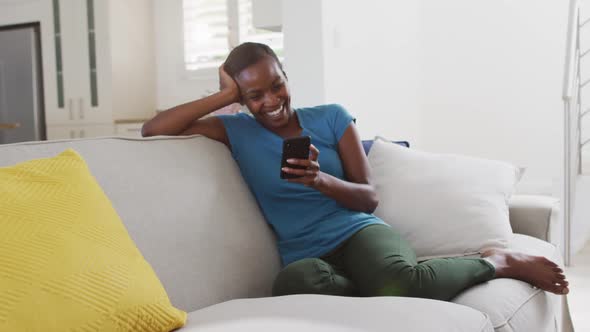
column 231, row 95
column 321, row 182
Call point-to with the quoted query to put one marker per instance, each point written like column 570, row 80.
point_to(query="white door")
column 65, row 39
column 84, row 45
column 97, row 130
column 129, row 129
column 61, row 132
column 79, row 131
column 93, row 100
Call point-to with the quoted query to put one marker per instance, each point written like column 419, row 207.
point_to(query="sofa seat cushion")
column 312, row 313
column 513, row 305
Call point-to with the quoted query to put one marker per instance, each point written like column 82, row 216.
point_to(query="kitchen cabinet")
column 81, row 37
column 128, row 129
column 79, row 131
column 98, row 61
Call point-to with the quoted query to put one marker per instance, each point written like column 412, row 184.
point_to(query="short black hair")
column 247, row 54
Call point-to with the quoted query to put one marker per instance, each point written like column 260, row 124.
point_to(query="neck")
column 291, row 129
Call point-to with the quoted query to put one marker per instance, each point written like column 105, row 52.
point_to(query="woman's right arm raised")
column 186, row 119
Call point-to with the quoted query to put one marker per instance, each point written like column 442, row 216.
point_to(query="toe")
column 560, row 287
column 557, row 269
column 564, row 290
column 555, row 289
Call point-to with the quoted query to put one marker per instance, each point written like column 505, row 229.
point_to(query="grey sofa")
column 187, row 208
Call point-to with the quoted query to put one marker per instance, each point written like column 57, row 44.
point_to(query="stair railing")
column 572, row 144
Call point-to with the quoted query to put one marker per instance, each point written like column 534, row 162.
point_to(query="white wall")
column 304, row 54
column 371, row 66
column 134, row 73
column 491, row 83
column 476, row 78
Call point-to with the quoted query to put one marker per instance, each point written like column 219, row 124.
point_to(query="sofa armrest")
column 536, row 216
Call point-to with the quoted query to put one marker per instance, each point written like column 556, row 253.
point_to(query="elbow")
column 372, row 202
column 147, row 130
column 372, row 205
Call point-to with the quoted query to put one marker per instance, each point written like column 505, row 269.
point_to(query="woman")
column 329, row 241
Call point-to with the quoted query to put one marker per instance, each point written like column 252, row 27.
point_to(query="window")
column 213, row 27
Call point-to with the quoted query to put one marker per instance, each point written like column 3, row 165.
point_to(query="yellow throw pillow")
column 66, row 260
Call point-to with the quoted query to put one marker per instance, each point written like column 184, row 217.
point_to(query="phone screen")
column 297, row 148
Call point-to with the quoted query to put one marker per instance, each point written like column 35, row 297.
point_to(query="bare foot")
column 536, row 270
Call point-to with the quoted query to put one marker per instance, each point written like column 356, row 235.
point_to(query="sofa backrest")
column 187, row 208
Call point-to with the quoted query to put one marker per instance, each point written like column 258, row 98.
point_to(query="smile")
column 275, row 113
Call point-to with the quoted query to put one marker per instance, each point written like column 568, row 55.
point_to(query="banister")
column 570, row 50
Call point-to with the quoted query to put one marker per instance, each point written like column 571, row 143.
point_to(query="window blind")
column 207, row 35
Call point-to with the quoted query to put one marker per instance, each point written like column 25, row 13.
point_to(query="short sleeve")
column 233, row 124
column 341, row 120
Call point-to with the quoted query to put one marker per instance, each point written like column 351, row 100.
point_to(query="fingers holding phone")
column 308, row 175
column 299, row 162
column 314, row 153
column 294, row 148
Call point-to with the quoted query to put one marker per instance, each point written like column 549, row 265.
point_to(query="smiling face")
column 264, row 90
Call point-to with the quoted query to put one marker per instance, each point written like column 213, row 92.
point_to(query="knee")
column 306, row 276
column 400, row 283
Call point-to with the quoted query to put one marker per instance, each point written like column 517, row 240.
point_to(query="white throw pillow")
column 444, row 205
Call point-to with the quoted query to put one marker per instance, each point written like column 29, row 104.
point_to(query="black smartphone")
column 297, row 148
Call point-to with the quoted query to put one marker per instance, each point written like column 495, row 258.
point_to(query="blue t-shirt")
column 307, row 223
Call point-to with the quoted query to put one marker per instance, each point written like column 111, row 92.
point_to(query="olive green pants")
column 376, row 261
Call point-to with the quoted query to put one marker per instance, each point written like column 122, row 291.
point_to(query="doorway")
column 22, row 112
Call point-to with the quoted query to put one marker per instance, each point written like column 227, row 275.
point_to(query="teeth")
column 275, row 113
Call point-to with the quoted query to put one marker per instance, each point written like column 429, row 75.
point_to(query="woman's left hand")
column 311, row 175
